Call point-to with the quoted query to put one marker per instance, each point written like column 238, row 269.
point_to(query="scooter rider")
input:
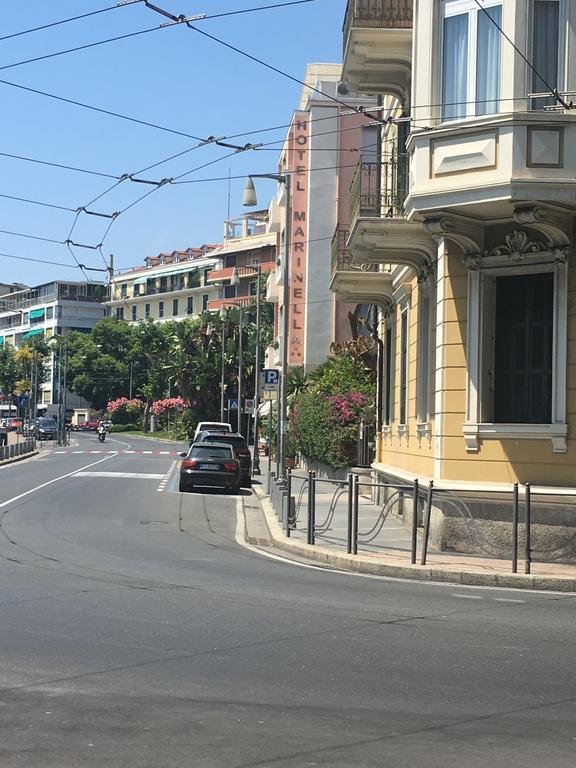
column 102, row 430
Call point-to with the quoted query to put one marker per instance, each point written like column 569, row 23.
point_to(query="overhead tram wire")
column 176, row 22
column 37, row 261
column 67, row 21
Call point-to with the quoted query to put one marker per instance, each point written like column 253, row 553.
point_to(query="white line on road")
column 167, row 476
column 468, row 597
column 147, row 451
column 507, row 600
column 122, row 475
column 50, row 482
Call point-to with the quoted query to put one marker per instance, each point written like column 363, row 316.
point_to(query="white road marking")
column 50, row 482
column 507, row 600
column 167, row 476
column 129, row 451
column 147, row 451
column 468, row 597
column 164, row 453
column 122, row 475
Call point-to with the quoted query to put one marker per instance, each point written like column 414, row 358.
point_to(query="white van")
column 213, row 426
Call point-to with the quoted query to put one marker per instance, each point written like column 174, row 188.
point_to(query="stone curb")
column 19, row 458
column 359, row 564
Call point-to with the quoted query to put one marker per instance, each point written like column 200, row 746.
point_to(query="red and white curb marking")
column 119, row 453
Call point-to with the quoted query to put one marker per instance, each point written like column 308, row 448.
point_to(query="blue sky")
column 174, row 77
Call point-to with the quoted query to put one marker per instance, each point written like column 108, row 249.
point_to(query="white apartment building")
column 170, row 286
column 48, row 310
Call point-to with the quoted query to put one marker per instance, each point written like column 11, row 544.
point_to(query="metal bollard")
column 427, row 516
column 528, row 549
column 415, row 522
column 310, row 509
column 515, row 529
column 350, row 507
column 355, row 515
column 289, row 501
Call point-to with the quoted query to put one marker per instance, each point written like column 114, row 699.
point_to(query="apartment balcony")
column 377, row 36
column 357, row 283
column 244, row 272
column 214, row 305
column 380, row 233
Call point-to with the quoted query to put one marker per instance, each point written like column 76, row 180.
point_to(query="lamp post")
column 223, row 364
column 62, row 350
column 250, row 199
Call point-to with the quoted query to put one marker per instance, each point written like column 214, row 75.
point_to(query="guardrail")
column 16, row 449
column 293, row 498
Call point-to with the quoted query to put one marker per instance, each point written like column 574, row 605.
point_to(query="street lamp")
column 249, row 199
column 223, row 365
column 62, row 349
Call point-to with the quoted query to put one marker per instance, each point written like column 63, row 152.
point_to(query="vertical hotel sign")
column 299, row 163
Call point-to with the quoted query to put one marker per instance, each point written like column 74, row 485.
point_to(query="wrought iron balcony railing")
column 382, row 14
column 379, row 189
column 342, row 256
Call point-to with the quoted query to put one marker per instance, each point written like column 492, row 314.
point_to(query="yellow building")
column 468, row 219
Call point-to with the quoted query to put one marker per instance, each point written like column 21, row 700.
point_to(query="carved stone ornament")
column 518, row 246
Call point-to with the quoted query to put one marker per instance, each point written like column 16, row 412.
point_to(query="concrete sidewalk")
column 388, row 553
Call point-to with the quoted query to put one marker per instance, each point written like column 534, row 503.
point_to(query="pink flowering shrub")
column 170, row 404
column 125, row 411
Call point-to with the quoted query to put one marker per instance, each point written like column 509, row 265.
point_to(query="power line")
column 38, row 261
column 37, row 202
column 66, row 21
column 58, row 165
column 108, row 112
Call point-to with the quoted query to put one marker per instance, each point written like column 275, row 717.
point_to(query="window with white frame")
column 517, row 350
column 471, row 58
column 547, row 49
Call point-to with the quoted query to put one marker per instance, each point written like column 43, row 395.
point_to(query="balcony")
column 357, row 283
column 379, row 230
column 379, row 189
column 377, row 36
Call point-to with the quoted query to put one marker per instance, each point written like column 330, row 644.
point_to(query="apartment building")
column 170, row 286
column 470, row 223
column 48, row 310
column 248, row 244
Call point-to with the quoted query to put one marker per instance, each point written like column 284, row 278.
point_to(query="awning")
column 181, row 270
column 37, row 314
column 1, row 339
column 34, row 332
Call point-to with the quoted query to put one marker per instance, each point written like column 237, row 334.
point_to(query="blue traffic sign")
column 270, row 379
column 22, row 400
column 233, row 404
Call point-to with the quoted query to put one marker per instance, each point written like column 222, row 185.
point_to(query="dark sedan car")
column 46, row 429
column 212, row 464
column 241, row 450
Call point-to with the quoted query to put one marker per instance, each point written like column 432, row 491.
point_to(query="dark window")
column 545, row 48
column 204, row 302
column 403, row 366
column 160, row 309
column 210, row 451
column 388, row 363
column 120, row 313
column 253, row 288
column 190, row 305
column 134, row 315
column 229, row 291
column 147, row 311
column 123, row 290
column 49, row 313
column 523, row 353
column 174, row 307
column 236, row 441
column 206, row 273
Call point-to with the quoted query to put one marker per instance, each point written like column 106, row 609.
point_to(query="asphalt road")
column 136, row 632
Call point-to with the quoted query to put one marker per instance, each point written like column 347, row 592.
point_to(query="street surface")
column 137, row 632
